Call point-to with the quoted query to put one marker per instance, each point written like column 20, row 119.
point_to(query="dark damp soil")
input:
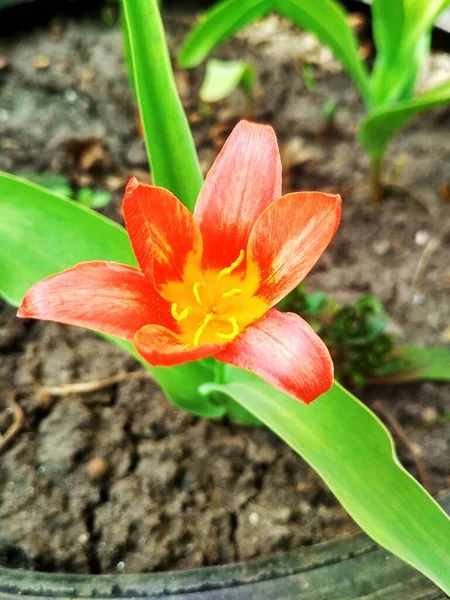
column 118, row 479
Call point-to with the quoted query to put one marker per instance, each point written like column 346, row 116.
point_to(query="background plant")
column 402, row 33
column 337, row 435
column 357, row 338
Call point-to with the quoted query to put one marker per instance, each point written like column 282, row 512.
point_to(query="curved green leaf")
column 219, row 23
column 380, row 125
column 402, row 34
column 166, row 130
column 413, row 363
column 354, row 454
column 42, row 233
column 328, row 21
column 222, row 77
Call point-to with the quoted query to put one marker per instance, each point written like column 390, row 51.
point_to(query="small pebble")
column 380, row 247
column 428, row 414
column 422, row 237
column 96, row 469
column 253, row 518
column 83, row 538
column 418, row 299
column 41, row 62
column 120, row 566
column 70, row 95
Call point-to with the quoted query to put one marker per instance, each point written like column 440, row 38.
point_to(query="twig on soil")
column 380, row 407
column 425, row 258
column 18, row 420
column 84, row 387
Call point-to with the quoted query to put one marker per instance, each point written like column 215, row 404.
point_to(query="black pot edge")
column 240, row 581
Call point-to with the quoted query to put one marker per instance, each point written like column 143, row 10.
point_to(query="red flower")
column 207, row 283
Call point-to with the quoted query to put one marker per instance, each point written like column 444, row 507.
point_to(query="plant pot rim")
column 352, row 565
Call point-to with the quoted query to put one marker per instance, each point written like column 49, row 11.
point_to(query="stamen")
column 233, row 292
column 197, row 284
column 179, row 316
column 200, row 330
column 233, row 334
column 234, row 265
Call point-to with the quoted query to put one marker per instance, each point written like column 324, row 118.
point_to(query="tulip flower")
column 208, row 283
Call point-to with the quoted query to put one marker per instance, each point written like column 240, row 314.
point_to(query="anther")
column 197, row 284
column 233, row 292
column 179, row 316
column 234, row 265
column 233, row 334
column 200, row 330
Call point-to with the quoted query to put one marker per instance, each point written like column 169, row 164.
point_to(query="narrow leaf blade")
column 218, row 24
column 327, row 20
column 166, row 130
column 381, row 124
column 354, row 454
column 414, row 363
column 402, row 33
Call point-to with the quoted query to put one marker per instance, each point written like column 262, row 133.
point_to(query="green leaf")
column 218, row 24
column 328, row 21
column 380, row 125
column 166, row 130
column 93, row 198
column 56, row 183
column 402, row 33
column 354, row 454
column 414, row 363
column 390, row 26
column 43, row 233
column 222, row 77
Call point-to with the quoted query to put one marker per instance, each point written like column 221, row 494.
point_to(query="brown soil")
column 171, row 490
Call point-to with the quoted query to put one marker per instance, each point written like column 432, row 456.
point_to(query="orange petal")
column 105, row 296
column 284, row 350
column 162, row 231
column 289, row 238
column 162, row 347
column 243, row 181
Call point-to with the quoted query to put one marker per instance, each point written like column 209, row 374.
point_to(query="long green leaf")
column 376, row 130
column 169, row 142
column 414, row 363
column 354, row 454
column 390, row 20
column 42, row 233
column 328, row 21
column 219, row 23
column 402, row 32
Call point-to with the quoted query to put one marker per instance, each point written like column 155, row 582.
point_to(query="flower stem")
column 376, row 186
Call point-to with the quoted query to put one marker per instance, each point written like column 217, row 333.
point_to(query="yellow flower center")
column 210, row 306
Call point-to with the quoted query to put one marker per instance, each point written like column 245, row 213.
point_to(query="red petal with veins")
column 161, row 347
column 162, row 231
column 289, row 238
column 284, row 350
column 243, row 181
column 105, row 296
